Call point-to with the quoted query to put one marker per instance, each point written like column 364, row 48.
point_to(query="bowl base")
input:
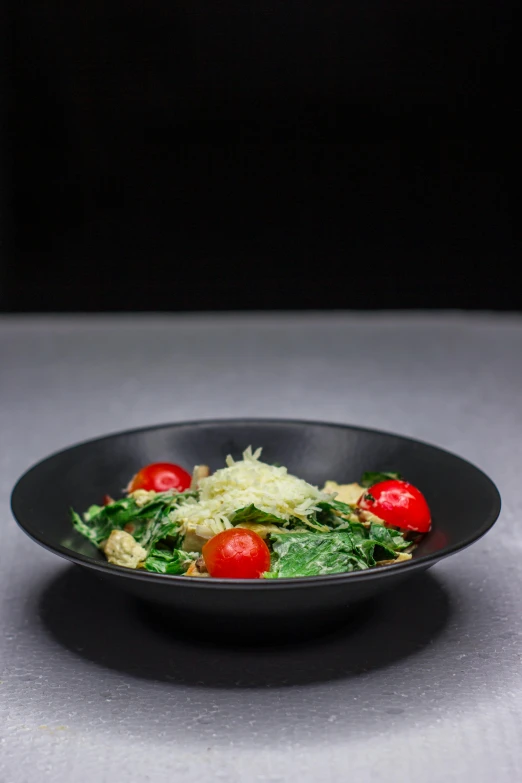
column 222, row 631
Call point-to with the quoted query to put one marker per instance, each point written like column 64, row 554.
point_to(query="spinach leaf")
column 369, row 478
column 330, row 511
column 378, row 542
column 388, row 540
column 253, row 514
column 99, row 521
column 147, row 523
column 165, row 561
column 95, row 535
column 359, row 531
column 343, row 508
column 388, row 537
column 313, row 554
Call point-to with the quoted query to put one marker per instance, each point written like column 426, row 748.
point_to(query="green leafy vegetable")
column 369, row 478
column 94, row 535
column 147, row 523
column 343, row 508
column 378, row 541
column 312, row 554
column 253, row 514
column 388, row 537
column 335, row 537
column 336, row 514
column 165, row 561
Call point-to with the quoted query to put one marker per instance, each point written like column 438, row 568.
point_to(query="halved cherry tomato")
column 399, row 504
column 161, row 476
column 236, row 554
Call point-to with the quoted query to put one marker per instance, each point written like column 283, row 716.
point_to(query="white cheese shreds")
column 249, row 481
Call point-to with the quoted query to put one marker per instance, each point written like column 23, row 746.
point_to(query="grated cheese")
column 249, row 481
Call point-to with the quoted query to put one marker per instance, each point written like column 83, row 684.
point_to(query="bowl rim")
column 381, row 572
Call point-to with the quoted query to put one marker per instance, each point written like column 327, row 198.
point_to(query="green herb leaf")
column 335, row 505
column 253, row 514
column 314, row 554
column 93, row 534
column 330, row 512
column 388, row 537
column 359, row 531
column 147, row 523
column 165, row 561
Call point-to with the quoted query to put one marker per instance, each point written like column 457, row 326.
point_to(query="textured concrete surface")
column 428, row 687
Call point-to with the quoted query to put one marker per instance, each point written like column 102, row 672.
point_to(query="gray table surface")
column 429, row 688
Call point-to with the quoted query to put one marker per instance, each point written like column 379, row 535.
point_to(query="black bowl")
column 464, row 502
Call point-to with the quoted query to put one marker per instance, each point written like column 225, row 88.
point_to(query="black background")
column 204, row 155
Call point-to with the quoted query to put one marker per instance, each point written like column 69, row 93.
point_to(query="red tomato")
column 399, row 504
column 236, row 554
column 161, row 476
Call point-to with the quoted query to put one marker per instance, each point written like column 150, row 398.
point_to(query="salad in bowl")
column 254, row 520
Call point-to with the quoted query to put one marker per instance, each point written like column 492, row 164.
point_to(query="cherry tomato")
column 399, row 504
column 236, row 554
column 161, row 476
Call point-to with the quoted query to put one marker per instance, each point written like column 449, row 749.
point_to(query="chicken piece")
column 199, row 472
column 350, row 494
column 346, row 493
column 366, row 517
column 142, row 496
column 123, row 550
column 195, row 538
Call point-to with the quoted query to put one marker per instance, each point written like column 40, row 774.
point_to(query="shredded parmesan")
column 249, row 481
